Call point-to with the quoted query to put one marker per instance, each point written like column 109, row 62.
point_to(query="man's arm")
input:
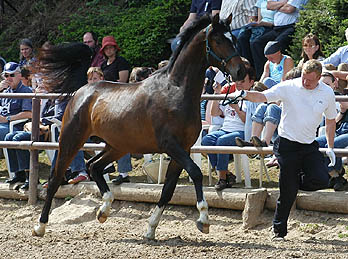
column 274, row 6
column 256, row 97
column 330, row 132
column 18, row 116
column 287, row 8
column 189, row 20
column 288, row 65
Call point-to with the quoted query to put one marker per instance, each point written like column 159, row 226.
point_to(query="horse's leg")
column 69, row 145
column 96, row 168
column 183, row 158
column 93, row 159
column 173, row 173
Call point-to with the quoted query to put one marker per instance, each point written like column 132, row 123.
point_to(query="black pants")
column 282, row 34
column 302, row 167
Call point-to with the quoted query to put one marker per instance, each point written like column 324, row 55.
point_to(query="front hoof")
column 204, row 228
column 101, row 216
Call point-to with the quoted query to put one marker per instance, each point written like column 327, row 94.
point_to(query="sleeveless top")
column 276, row 70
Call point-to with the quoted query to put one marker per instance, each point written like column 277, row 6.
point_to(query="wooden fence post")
column 34, row 153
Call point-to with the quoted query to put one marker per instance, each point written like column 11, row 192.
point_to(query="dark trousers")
column 282, row 34
column 302, row 167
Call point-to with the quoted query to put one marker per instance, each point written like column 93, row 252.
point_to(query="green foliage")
column 328, row 19
column 142, row 31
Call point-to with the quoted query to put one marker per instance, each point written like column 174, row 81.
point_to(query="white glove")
column 331, row 155
column 238, row 95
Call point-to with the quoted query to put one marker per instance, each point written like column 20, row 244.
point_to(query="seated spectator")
column 26, row 52
column 197, row 10
column 285, row 17
column 339, row 61
column 233, row 126
column 140, row 73
column 115, row 68
column 91, row 39
column 311, row 49
column 336, row 172
column 163, row 63
column 277, row 64
column 19, row 159
column 250, row 32
column 242, row 11
column 25, row 76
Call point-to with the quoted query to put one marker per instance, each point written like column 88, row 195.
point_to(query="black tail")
column 64, row 67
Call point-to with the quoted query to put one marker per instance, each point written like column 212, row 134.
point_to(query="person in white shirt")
column 302, row 165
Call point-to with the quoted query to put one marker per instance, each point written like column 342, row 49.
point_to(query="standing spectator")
column 285, row 17
column 198, row 9
column 250, row 32
column 311, row 49
column 26, row 53
column 91, row 39
column 302, row 165
column 13, row 109
column 116, row 68
column 242, row 11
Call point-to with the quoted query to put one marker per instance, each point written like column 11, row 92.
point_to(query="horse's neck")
column 189, row 69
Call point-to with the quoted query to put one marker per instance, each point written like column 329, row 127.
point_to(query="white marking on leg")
column 153, row 222
column 108, row 198
column 202, row 207
column 40, row 229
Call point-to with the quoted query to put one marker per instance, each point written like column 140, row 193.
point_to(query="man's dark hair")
column 328, row 74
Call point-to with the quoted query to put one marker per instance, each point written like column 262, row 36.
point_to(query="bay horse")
column 158, row 115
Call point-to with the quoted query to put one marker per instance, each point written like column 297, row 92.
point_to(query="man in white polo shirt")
column 302, row 166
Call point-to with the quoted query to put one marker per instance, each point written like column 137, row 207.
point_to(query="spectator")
column 302, row 165
column 277, row 65
column 198, row 9
column 242, row 11
column 311, row 49
column 26, row 52
column 163, row 63
column 140, row 73
column 285, row 17
column 91, row 39
column 11, row 108
column 19, row 159
column 94, row 74
column 2, row 64
column 115, row 68
column 339, row 62
column 250, row 32
column 233, row 126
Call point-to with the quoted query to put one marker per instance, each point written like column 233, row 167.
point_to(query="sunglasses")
column 8, row 75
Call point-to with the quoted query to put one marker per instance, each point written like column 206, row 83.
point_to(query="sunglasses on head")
column 9, row 75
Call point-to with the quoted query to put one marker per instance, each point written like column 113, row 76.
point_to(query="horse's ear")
column 228, row 20
column 216, row 19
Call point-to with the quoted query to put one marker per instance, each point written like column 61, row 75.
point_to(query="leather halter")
column 223, row 61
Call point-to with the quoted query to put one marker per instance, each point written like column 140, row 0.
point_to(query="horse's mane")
column 63, row 68
column 186, row 36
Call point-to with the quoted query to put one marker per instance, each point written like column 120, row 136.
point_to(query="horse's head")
column 221, row 51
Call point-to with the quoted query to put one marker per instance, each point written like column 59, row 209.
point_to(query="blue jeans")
column 19, row 159
column 269, row 82
column 5, row 128
column 268, row 112
column 124, row 164
column 221, row 138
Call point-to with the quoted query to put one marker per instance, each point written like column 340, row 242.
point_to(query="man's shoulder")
column 24, row 89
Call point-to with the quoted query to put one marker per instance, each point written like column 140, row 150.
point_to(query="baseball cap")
column 11, row 68
column 272, row 47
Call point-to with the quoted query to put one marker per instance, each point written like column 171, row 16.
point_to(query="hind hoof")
column 204, row 228
column 101, row 216
column 37, row 234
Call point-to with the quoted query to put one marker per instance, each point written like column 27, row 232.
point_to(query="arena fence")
column 34, row 145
